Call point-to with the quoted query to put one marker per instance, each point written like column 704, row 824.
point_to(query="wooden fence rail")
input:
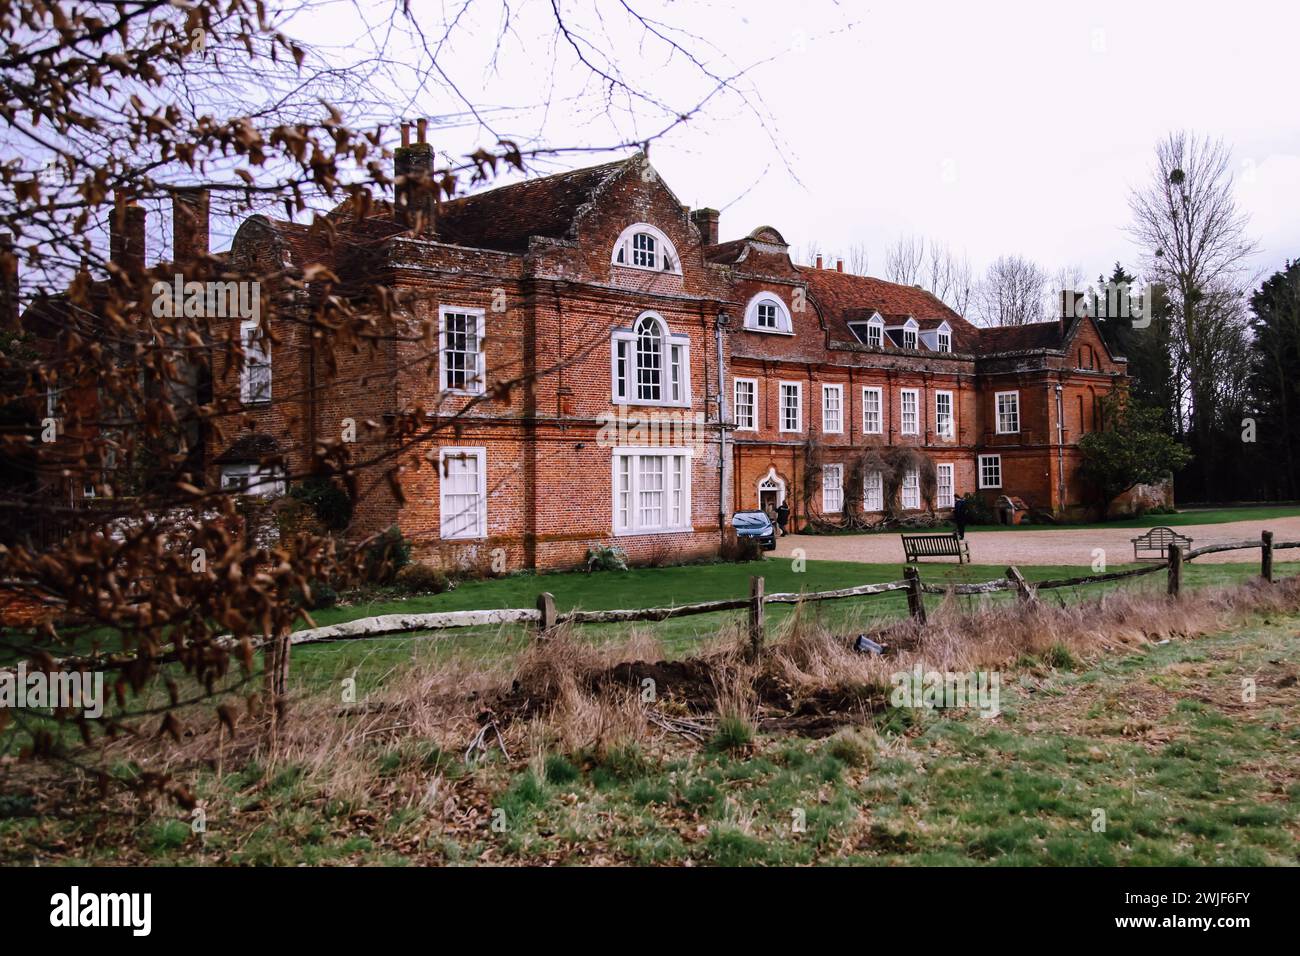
column 545, row 618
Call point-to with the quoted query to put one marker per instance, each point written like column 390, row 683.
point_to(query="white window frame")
column 626, row 516
column 910, row 338
column 479, row 531
column 835, row 426
column 910, row 493
column 939, row 429
column 832, row 488
column 674, row 365
column 942, row 500
column 254, row 347
column 873, row 491
column 997, row 412
column 784, row 324
column 475, row 385
column 943, row 340
column 980, row 471
column 256, row 480
column 879, row 393
column 798, row 406
column 916, row 411
column 666, row 259
column 753, row 404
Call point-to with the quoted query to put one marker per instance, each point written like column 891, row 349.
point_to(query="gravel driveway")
column 1066, row 547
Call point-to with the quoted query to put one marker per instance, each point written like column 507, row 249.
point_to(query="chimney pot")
column 406, row 134
column 819, row 260
column 416, row 204
column 839, row 265
column 421, row 127
column 190, row 226
column 706, row 221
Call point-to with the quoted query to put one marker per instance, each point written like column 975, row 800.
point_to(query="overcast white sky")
column 997, row 127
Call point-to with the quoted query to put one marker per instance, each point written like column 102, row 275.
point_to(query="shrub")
column 327, row 501
column 387, row 555
column 419, row 578
column 322, row 596
column 978, row 511
column 606, row 557
column 738, row 549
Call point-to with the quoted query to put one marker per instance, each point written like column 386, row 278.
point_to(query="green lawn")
column 1151, row 758
column 370, row 661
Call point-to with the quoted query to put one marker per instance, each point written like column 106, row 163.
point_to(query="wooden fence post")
column 1175, row 569
column 546, row 604
column 755, row 617
column 1023, row 590
column 1266, row 556
column 915, row 596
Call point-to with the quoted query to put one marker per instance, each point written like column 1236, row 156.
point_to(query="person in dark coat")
column 959, row 517
column 782, row 517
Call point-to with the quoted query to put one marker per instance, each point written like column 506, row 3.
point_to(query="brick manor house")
column 566, row 302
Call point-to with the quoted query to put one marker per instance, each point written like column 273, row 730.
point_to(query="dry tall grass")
column 558, row 696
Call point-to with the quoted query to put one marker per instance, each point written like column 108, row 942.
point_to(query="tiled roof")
column 726, row 252
column 1022, row 338
column 506, row 217
column 844, row 297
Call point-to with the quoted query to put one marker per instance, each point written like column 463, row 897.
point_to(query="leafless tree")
column 1194, row 240
column 1014, row 291
column 857, row 260
column 108, row 106
column 949, row 277
column 905, row 260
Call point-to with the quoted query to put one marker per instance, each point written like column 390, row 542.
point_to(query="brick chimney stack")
column 416, row 198
column 8, row 282
column 706, row 220
column 839, row 265
column 819, row 260
column 190, row 228
column 126, row 227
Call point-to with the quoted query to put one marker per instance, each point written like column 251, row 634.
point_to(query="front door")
column 767, row 499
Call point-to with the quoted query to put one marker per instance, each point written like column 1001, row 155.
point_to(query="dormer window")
column 642, row 246
column 870, row 333
column 906, row 335
column 766, row 312
column 945, row 341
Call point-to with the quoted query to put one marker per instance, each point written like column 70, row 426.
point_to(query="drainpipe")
column 724, row 465
column 1060, row 451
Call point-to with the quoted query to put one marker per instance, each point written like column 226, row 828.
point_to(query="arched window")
column 642, row 246
column 766, row 312
column 649, row 364
column 649, row 360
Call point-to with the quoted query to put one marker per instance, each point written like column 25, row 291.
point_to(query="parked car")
column 755, row 524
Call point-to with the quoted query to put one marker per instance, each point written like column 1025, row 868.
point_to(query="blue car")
column 755, row 524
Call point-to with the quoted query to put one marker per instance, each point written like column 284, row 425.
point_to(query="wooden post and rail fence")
column 545, row 617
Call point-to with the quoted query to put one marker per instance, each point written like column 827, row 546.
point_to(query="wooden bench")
column 935, row 546
column 1156, row 544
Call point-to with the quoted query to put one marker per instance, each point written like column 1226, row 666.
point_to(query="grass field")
column 1143, row 758
column 371, row 662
